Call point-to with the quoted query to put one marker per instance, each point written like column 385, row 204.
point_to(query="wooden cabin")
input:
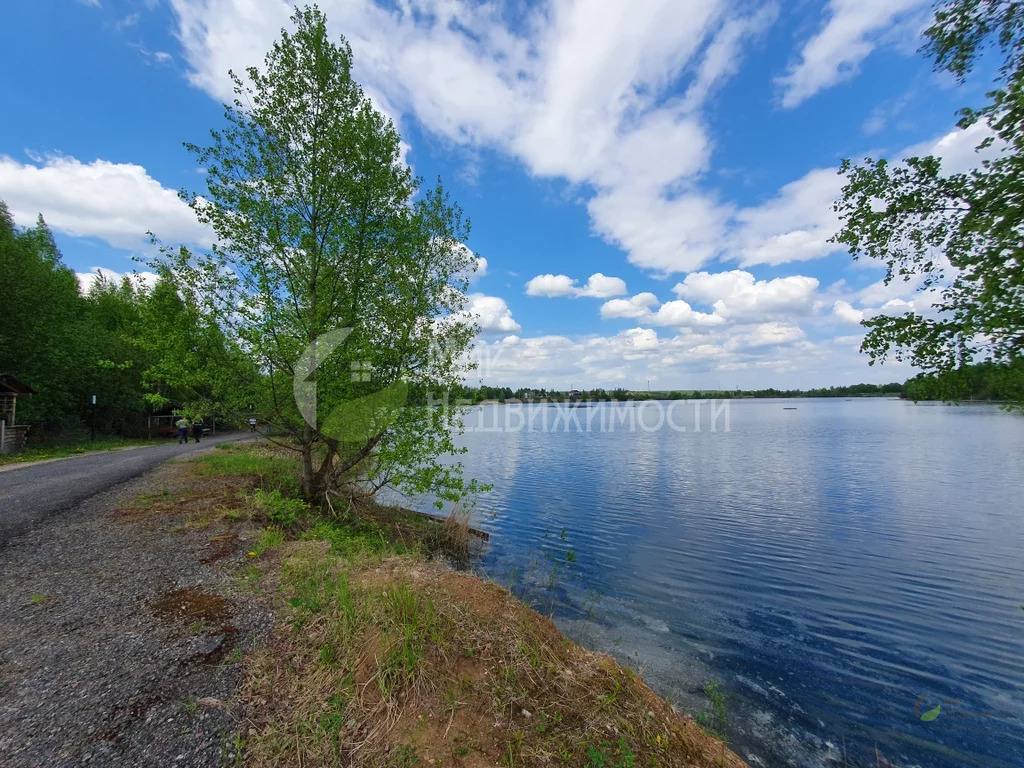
column 12, row 436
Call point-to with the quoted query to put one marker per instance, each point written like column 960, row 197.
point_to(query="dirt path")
column 121, row 634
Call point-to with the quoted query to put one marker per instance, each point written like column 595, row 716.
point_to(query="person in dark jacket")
column 197, row 429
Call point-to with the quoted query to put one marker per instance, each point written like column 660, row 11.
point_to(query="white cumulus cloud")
column 598, row 286
column 492, row 314
column 736, row 295
column 581, row 89
column 846, row 313
column 633, row 308
column 86, row 280
column 115, row 202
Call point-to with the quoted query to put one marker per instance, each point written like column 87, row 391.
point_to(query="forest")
column 140, row 349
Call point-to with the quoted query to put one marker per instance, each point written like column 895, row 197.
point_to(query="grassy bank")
column 75, row 449
column 384, row 655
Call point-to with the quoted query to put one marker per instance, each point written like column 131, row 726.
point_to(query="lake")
column 840, row 567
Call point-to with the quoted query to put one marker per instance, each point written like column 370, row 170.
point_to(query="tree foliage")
column 989, row 381
column 336, row 272
column 41, row 334
column 139, row 350
column 960, row 235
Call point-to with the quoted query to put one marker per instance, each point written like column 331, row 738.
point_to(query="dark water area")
column 840, row 569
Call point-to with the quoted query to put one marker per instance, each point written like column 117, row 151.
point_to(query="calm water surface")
column 828, row 565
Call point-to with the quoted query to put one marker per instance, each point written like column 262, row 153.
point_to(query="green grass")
column 354, row 541
column 272, row 470
column 279, row 509
column 269, row 538
column 76, row 449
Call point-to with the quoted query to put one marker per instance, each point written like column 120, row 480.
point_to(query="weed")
column 512, row 749
column 605, row 755
column 190, row 705
column 272, row 470
column 455, row 533
column 406, row 756
column 278, row 509
column 38, row 599
column 269, row 538
column 231, row 513
column 717, row 720
column 353, row 541
column 237, row 748
column 531, row 652
column 329, row 654
column 596, row 756
column 413, row 626
column 252, row 575
column 613, row 694
column 626, row 757
column 60, row 451
column 194, row 523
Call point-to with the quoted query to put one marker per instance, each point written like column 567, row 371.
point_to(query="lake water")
column 829, row 562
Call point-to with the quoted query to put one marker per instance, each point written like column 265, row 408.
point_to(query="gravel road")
column 122, row 632
column 30, row 494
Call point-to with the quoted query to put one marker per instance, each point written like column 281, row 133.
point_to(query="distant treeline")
column 981, row 381
column 486, row 393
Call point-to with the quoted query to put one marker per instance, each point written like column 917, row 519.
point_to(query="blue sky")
column 649, row 183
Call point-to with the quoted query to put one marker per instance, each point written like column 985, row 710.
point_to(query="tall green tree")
column 334, row 269
column 960, row 234
column 40, row 334
column 190, row 363
column 112, row 369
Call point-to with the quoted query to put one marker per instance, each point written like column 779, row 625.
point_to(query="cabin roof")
column 9, row 384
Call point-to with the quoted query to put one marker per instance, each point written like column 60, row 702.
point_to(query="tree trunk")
column 309, row 489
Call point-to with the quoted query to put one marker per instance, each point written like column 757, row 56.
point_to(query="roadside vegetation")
column 385, row 655
column 77, row 448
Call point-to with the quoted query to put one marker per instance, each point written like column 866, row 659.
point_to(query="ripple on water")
column 828, row 565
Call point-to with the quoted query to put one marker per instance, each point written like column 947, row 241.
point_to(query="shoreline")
column 348, row 643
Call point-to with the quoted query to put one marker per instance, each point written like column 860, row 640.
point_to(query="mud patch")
column 221, row 546
column 206, row 614
column 189, row 605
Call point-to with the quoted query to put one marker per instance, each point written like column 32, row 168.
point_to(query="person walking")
column 182, row 425
column 252, row 425
column 197, row 429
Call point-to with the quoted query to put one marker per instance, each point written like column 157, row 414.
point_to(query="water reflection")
column 828, row 564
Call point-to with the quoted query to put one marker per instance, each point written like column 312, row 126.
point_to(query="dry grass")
column 455, row 533
column 400, row 663
column 383, row 660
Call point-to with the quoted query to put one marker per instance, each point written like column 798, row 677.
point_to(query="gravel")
column 114, row 647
